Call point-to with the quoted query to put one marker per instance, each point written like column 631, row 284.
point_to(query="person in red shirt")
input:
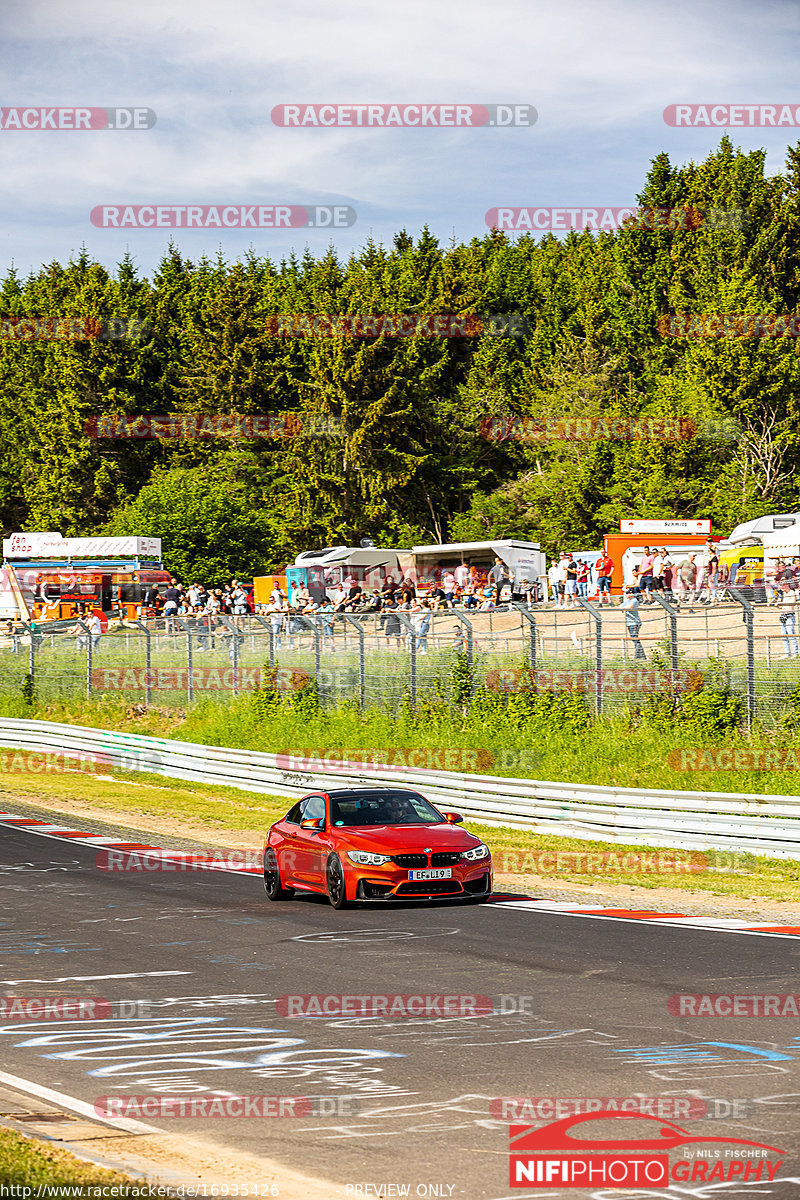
column 604, row 568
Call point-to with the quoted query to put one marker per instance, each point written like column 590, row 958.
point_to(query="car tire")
column 272, row 878
column 334, row 874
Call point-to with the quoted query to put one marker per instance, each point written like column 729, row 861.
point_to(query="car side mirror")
column 313, row 823
column 453, row 818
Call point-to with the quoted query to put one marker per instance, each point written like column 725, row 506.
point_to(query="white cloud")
column 599, row 75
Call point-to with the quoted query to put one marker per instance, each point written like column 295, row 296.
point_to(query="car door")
column 286, row 848
column 310, row 845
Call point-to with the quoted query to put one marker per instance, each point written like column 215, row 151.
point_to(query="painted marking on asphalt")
column 709, row 924
column 74, row 1105
column 87, row 978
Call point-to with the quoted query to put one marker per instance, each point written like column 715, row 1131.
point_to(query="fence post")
column 147, row 661
column 32, row 655
column 465, row 621
column 523, row 612
column 189, row 660
column 270, row 634
column 362, row 662
column 233, row 630
column 748, row 613
column 598, row 651
column 672, row 613
column 412, row 641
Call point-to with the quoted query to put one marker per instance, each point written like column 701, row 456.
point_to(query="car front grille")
column 446, row 858
column 410, row 861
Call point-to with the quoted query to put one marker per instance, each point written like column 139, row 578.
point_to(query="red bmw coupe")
column 374, row 844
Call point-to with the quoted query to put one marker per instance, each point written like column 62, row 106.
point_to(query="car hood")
column 399, row 839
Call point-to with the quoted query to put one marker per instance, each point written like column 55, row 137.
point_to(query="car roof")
column 370, row 793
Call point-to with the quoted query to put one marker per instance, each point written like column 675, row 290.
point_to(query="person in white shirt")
column 449, row 588
column 788, row 604
column 462, row 575
column 91, row 629
column 553, row 577
column 658, row 573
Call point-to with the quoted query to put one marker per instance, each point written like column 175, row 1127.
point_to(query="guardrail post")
column 362, row 660
column 748, row 612
column 523, row 612
column 672, row 613
column 147, row 661
column 598, row 651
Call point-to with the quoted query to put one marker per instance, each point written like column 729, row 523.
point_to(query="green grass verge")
column 26, row 1162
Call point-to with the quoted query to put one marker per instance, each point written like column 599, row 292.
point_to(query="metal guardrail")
column 687, row 820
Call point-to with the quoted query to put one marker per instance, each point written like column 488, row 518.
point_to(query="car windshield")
column 386, row 808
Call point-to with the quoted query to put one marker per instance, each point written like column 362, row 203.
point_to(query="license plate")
column 442, row 873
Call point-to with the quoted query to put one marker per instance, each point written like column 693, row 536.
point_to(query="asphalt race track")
column 585, row 1016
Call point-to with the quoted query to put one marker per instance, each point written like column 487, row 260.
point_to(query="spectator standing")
column 605, row 571
column 668, row 574
column 633, row 621
column 421, row 620
column 449, row 586
column 462, row 575
column 711, row 573
column 687, row 580
column 788, row 620
column 327, row 619
column 171, row 602
column 553, row 576
column 571, row 582
column 658, row 571
column 583, row 579
column 646, row 575
column 498, row 577
column 392, row 627
column 276, row 616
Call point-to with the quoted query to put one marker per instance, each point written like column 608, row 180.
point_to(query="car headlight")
column 367, row 860
column 480, row 851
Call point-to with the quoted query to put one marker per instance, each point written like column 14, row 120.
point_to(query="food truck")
column 745, row 549
column 49, row 577
column 524, row 561
column 678, row 537
column 323, row 571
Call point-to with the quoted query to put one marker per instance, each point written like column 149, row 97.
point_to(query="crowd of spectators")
column 683, row 579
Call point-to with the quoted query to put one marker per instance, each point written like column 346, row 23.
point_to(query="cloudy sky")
column 599, row 77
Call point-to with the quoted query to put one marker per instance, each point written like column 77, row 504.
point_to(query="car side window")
column 314, row 808
column 295, row 813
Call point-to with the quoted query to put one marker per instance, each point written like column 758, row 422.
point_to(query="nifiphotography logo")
column 657, row 1153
